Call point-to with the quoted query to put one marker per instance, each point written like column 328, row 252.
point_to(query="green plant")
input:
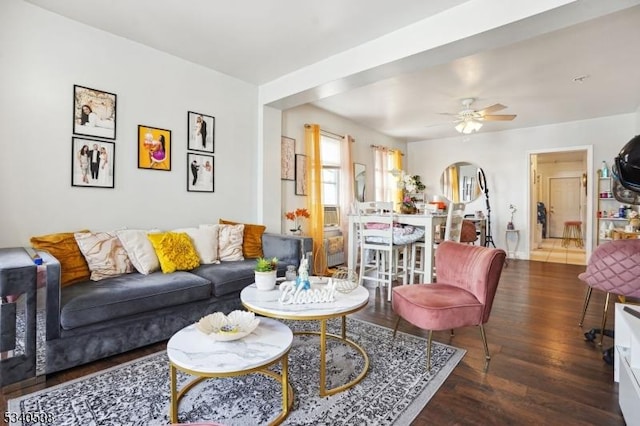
column 266, row 265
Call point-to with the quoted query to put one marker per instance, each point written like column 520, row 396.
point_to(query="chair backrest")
column 469, row 233
column 614, row 267
column 455, row 217
column 476, row 269
column 375, row 225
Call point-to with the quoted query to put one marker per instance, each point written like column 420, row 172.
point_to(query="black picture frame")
column 301, row 174
column 201, row 174
column 195, row 132
column 154, row 148
column 94, row 113
column 87, row 173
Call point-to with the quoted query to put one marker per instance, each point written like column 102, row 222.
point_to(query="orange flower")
column 302, row 213
column 290, row 215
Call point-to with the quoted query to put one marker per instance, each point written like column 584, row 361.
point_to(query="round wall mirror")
column 459, row 182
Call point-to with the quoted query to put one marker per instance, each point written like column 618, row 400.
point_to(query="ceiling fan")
column 470, row 120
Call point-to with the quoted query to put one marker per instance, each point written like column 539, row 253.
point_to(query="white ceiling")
column 259, row 41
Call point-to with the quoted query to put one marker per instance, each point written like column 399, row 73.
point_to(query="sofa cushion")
column 139, row 249
column 175, row 251
column 251, row 239
column 230, row 239
column 228, row 277
column 205, row 241
column 63, row 247
column 95, row 302
column 104, row 254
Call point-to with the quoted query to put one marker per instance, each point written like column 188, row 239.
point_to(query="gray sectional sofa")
column 92, row 320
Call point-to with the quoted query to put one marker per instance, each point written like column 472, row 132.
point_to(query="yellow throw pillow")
column 251, row 239
column 63, row 246
column 175, row 251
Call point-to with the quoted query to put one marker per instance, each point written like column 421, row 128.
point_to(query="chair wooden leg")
column 484, row 342
column 452, row 333
column 586, row 304
column 604, row 318
column 396, row 327
column 429, row 350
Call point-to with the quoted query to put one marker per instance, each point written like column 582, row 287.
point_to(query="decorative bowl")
column 345, row 280
column 224, row 328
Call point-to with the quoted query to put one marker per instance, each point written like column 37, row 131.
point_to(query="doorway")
column 558, row 193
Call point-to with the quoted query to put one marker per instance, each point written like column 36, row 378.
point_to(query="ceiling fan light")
column 460, row 127
column 476, row 125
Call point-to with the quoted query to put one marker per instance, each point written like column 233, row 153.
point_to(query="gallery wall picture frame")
column 287, row 158
column 94, row 112
column 92, row 163
column 154, row 148
column 200, row 172
column 301, row 174
column 201, row 132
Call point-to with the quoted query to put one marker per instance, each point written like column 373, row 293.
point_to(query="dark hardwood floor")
column 541, row 371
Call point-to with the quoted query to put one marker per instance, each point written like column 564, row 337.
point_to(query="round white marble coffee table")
column 266, row 303
column 194, row 353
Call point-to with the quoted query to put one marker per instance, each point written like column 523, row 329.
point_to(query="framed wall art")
column 202, row 133
column 92, row 163
column 154, row 148
column 287, row 158
column 200, row 176
column 94, row 113
column 301, row 174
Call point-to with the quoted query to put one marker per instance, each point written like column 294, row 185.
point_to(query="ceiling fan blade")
column 490, row 109
column 499, row 117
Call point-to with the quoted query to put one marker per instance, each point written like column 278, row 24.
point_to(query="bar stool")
column 572, row 232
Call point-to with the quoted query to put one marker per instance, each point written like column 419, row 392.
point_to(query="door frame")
column 591, row 181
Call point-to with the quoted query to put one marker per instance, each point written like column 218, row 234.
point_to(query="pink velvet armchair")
column 468, row 277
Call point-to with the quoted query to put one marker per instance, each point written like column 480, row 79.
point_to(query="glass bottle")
column 290, row 275
column 605, row 170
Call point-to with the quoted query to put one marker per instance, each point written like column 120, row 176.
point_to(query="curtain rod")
column 386, row 148
column 330, row 133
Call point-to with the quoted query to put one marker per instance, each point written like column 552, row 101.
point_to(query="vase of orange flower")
column 296, row 217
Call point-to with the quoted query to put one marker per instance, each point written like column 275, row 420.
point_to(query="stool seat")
column 572, row 232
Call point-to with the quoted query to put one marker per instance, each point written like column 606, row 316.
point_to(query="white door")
column 564, row 203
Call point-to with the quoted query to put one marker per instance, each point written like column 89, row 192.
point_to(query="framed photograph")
column 94, row 113
column 202, row 132
column 301, row 174
column 200, row 172
column 287, row 158
column 154, row 148
column 92, row 163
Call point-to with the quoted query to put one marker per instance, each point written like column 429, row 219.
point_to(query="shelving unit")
column 606, row 205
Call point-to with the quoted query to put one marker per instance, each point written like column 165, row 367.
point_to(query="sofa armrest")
column 53, row 291
column 287, row 248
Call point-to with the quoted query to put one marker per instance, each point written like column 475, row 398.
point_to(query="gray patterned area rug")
column 395, row 390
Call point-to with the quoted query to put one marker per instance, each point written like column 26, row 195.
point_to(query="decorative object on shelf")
column 345, row 280
column 202, row 132
column 92, row 163
column 265, row 273
column 287, row 158
column 604, row 171
column 408, row 205
column 512, row 209
column 94, row 113
column 634, row 220
column 296, row 216
column 154, row 148
column 301, row 174
column 291, row 274
column 223, row 328
column 200, row 173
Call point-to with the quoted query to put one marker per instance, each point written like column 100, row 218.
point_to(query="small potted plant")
column 265, row 271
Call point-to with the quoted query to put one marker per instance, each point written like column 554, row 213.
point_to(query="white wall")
column 504, row 158
column 293, row 121
column 42, row 55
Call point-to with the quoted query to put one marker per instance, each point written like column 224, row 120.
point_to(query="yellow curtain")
column 455, row 184
column 347, row 192
column 314, row 197
column 396, row 159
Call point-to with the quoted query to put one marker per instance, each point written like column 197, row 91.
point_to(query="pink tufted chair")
column 467, row 281
column 614, row 267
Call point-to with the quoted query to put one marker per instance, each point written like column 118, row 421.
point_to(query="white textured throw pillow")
column 205, row 241
column 230, row 239
column 140, row 251
column 104, row 254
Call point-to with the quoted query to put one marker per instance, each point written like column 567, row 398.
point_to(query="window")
column 330, row 155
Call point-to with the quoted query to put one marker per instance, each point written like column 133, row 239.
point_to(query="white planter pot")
column 266, row 280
